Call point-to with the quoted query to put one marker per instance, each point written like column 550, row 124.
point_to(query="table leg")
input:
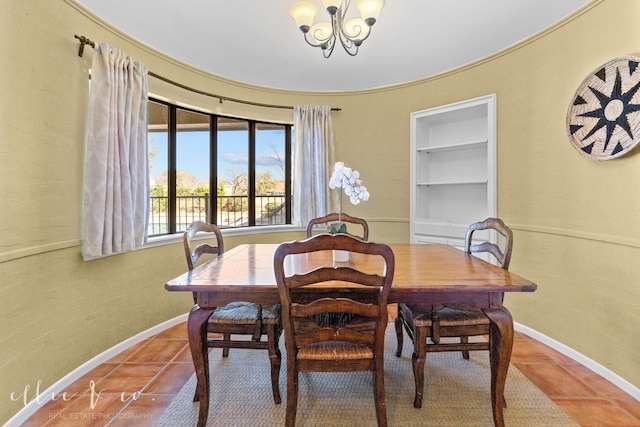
column 197, row 329
column 501, row 337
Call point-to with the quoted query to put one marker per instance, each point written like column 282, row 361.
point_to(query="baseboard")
column 57, row 388
column 606, row 373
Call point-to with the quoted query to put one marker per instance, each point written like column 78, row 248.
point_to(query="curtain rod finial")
column 83, row 41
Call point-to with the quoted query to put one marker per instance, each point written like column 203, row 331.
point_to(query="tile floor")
column 159, row 367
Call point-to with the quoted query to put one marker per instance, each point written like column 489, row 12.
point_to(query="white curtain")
column 312, row 163
column 116, row 160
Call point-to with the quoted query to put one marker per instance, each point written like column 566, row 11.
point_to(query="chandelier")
column 351, row 34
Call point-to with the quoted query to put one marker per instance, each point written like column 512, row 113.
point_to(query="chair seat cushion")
column 245, row 313
column 335, row 350
column 448, row 316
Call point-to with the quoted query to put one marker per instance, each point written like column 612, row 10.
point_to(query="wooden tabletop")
column 419, row 267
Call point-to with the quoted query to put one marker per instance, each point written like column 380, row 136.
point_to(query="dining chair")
column 335, row 345
column 328, row 220
column 426, row 325
column 236, row 318
column 333, row 218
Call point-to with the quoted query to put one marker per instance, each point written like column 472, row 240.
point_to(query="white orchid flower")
column 349, row 182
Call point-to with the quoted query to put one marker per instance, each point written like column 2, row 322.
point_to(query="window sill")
column 240, row 231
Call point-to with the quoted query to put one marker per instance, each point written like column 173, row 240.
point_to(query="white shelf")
column 459, row 146
column 452, row 169
column 420, row 184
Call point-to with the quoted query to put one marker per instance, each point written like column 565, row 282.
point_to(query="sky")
column 193, row 152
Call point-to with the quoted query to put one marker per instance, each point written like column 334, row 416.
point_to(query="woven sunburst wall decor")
column 603, row 121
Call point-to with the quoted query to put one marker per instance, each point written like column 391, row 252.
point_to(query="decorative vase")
column 340, row 256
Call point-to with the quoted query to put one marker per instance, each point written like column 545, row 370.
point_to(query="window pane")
column 270, row 174
column 181, row 146
column 233, row 166
column 158, row 119
column 192, row 168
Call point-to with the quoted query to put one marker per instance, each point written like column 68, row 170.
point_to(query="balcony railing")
column 232, row 211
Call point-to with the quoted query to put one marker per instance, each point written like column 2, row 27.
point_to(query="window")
column 228, row 171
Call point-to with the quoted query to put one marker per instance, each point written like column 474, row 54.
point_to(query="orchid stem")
column 340, row 211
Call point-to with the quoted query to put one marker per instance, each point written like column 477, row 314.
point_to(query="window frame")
column 212, row 202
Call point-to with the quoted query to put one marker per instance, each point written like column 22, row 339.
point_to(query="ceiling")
column 257, row 42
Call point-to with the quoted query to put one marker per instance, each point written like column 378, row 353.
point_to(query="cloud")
column 267, row 159
column 261, row 160
column 237, row 159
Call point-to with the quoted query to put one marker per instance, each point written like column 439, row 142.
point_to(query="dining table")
column 425, row 274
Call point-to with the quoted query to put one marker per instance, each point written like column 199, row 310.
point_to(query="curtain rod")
column 85, row 41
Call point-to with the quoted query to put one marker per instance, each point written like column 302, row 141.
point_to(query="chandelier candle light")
column 349, row 182
column 351, row 34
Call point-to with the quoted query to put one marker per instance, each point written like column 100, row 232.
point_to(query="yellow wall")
column 576, row 221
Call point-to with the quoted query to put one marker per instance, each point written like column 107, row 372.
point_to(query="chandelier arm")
column 349, row 46
column 337, row 24
column 310, row 43
column 365, row 37
column 368, row 32
column 328, row 49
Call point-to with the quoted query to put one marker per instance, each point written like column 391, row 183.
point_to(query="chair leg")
column 292, row 395
column 275, row 358
column 399, row 333
column 465, row 353
column 378, row 394
column 225, row 350
column 418, row 359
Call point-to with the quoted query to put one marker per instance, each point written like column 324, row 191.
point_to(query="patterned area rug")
column 457, row 393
